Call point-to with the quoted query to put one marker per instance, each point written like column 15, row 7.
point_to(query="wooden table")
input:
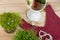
column 20, row 6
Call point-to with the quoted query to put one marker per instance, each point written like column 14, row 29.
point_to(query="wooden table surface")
column 20, row 6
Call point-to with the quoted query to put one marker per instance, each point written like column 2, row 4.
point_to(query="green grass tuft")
column 25, row 35
column 10, row 20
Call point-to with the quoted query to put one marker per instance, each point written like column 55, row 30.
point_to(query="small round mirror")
column 35, row 6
